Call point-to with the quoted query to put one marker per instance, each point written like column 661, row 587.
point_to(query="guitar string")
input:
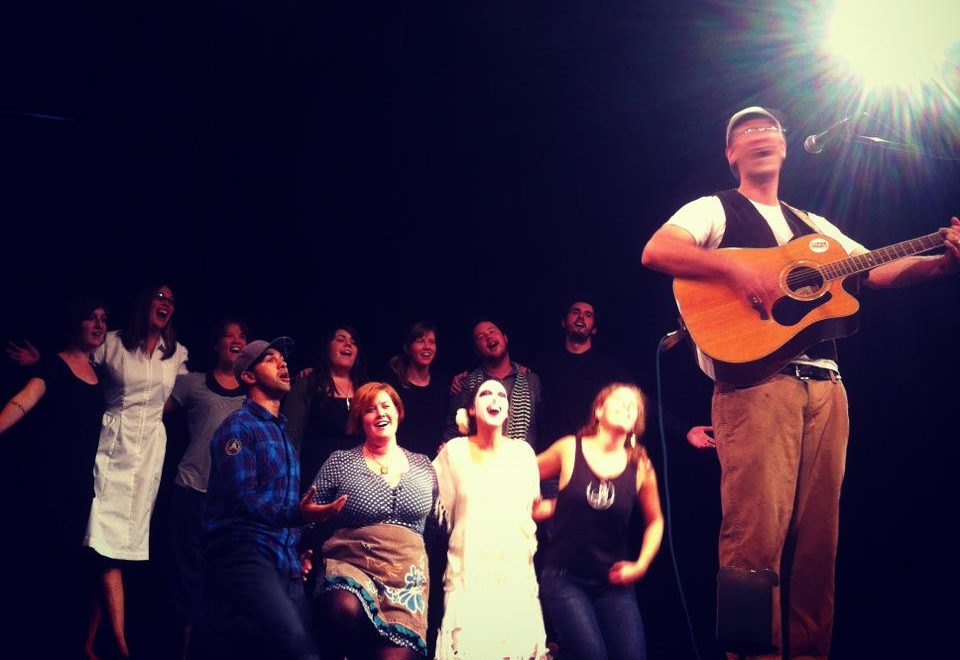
column 814, row 275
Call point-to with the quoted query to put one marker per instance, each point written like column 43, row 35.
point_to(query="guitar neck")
column 870, row 260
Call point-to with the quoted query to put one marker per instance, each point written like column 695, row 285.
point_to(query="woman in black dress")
column 318, row 405
column 425, row 394
column 65, row 402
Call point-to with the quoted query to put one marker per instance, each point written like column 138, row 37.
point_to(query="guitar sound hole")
column 804, row 282
column 788, row 311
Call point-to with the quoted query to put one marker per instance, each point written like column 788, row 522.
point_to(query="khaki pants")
column 782, row 448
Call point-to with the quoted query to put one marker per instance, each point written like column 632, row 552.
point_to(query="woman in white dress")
column 139, row 366
column 489, row 485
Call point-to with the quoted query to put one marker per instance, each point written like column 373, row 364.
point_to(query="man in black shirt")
column 572, row 376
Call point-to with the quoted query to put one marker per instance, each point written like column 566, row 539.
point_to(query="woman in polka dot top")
column 374, row 590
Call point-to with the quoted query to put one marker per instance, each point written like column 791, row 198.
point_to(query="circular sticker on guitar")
column 819, row 245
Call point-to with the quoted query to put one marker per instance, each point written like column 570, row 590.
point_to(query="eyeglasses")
column 758, row 130
column 159, row 296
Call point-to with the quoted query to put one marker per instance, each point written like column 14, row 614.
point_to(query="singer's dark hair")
column 580, row 296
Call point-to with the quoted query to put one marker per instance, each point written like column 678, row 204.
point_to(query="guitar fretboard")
column 880, row 256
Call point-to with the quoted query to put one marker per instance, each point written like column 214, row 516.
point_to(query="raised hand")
column 456, row 385
column 24, row 353
column 314, row 512
column 701, row 437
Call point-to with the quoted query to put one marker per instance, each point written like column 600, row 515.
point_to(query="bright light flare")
column 894, row 43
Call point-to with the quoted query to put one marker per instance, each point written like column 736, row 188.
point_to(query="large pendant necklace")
column 384, row 469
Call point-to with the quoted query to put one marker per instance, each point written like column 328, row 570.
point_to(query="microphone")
column 814, row 144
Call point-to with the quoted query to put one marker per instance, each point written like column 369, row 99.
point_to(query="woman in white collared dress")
column 139, row 366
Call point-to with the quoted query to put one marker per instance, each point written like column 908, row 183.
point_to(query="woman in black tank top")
column 587, row 584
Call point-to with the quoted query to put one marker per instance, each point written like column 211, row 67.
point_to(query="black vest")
column 745, row 227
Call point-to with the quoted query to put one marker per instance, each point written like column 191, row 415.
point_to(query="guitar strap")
column 803, row 217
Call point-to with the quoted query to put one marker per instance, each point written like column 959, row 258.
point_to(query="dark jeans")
column 253, row 611
column 592, row 618
column 186, row 551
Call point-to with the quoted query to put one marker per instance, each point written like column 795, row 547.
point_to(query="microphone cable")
column 669, row 340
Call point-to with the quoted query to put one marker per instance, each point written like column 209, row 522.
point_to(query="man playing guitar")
column 781, row 441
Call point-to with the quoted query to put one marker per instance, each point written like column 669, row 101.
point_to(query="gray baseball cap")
column 253, row 351
column 752, row 111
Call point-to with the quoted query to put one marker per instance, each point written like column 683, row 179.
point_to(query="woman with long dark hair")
column 587, row 583
column 318, row 405
column 139, row 365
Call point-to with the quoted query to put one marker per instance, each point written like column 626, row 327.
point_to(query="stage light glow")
column 893, row 43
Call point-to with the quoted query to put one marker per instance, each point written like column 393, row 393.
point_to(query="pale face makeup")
column 491, row 405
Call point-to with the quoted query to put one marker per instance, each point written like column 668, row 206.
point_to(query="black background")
column 306, row 163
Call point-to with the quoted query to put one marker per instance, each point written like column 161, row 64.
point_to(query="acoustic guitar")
column 816, row 303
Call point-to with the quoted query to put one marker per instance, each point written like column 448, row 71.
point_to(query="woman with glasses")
column 139, row 365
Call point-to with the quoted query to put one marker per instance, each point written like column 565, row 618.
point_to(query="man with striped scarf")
column 523, row 386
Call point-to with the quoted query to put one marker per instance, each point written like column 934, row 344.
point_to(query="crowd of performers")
column 323, row 514
column 341, row 561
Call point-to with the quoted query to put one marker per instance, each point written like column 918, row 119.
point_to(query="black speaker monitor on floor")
column 745, row 610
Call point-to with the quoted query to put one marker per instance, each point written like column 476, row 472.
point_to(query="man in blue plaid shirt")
column 257, row 605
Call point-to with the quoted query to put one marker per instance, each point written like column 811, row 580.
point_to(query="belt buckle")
column 798, row 373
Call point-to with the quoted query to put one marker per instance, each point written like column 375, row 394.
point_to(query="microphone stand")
column 899, row 147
